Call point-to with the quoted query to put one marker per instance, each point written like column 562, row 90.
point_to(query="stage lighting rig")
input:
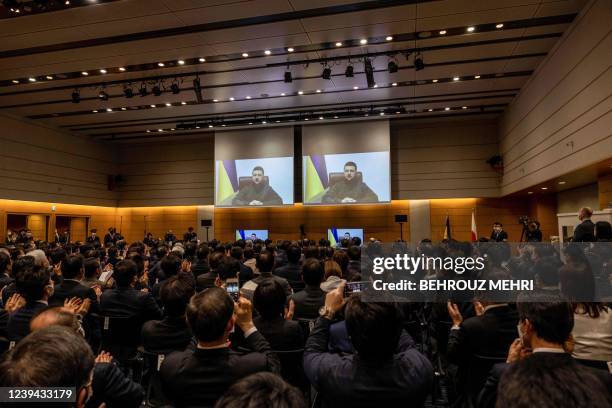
column 197, row 89
column 369, row 71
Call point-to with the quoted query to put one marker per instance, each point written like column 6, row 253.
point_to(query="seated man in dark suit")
column 387, row 370
column 200, row 266
column 265, row 265
column 35, row 285
column 283, row 334
column 546, row 322
column 171, row 333
column 262, row 390
column 207, row 280
column 292, row 270
column 498, row 234
column 585, row 231
column 246, row 273
column 125, row 301
column 350, row 189
column 308, row 302
column 72, row 273
column 199, row 377
column 258, row 192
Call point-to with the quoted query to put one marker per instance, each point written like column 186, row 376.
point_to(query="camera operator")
column 533, row 232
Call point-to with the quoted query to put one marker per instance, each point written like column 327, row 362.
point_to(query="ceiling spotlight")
column 363, row 41
column 168, row 104
column 197, row 89
column 447, row 108
column 434, row 80
column 429, row 110
column 103, row 71
column 181, row 62
column 248, row 97
column 123, row 108
column 456, row 78
column 84, row 73
column 263, row 122
column 288, row 77
column 530, row 192
column 442, row 32
column 202, row 59
column 94, row 111
column 369, row 71
column 215, row 100
column 544, row 188
column 183, row 103
column 476, row 76
column 32, row 79
column 282, row 94
column 15, row 81
column 210, row 126
column 318, row 91
column 103, row 95
column 76, row 96
column 389, row 38
column 267, row 52
column 175, row 88
column 109, row 109
column 562, row 182
column 161, row 64
column 326, row 74
column 382, row 113
column 464, row 107
column 355, row 87
column 394, row 84
column 500, row 25
column 156, row 90
column 153, row 106
column 231, row 98
column 245, row 54
column 290, row 49
column 121, row 69
column 392, row 67
column 143, row 90
column 338, row 44
column 471, row 29
column 321, row 118
column 128, row 92
column 49, row 77
column 349, row 73
column 300, row 92
column 419, row 65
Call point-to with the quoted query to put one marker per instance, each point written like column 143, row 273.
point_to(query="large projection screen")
column 254, row 168
column 346, row 163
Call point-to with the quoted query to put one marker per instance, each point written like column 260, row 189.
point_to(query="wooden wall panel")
column 37, row 223
column 605, row 192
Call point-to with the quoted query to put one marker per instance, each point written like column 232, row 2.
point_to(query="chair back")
column 120, row 335
column 335, row 177
column 478, row 371
column 247, row 181
column 151, row 379
column 292, row 366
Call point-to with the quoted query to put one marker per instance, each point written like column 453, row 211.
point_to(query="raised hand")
column 15, row 302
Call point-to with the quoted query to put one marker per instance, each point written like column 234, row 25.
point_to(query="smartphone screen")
column 355, row 287
column 231, row 286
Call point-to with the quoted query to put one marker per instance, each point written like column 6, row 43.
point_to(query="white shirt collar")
column 548, row 350
column 489, row 307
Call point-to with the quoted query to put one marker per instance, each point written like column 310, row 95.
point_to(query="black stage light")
column 418, row 63
column 143, row 90
column 369, row 71
column 197, row 89
column 156, row 90
column 392, row 67
column 76, row 96
column 175, row 88
column 326, row 74
column 349, row 71
column 128, row 92
column 103, row 95
column 288, row 77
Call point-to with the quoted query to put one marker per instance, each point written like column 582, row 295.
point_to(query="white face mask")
column 520, row 333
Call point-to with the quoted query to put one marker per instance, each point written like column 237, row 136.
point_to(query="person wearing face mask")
column 498, row 234
column 258, row 192
column 93, row 236
column 35, row 285
column 350, row 189
column 545, row 325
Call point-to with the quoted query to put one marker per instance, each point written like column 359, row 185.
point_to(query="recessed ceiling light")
column 447, row 108
column 455, row 78
column 103, row 71
column 223, row 125
column 306, row 119
column 290, row 49
column 183, row 103
column 248, row 97
column 267, row 52
column 476, row 76
column 338, row 44
column 148, row 130
column 160, row 130
column 153, row 106
column 245, row 54
column 277, row 121
column 202, row 60
column 109, row 109
column 197, row 127
column 32, row 79
column 382, row 113
column 442, row 32
column 530, row 192
column 210, row 126
column 389, row 38
column 15, row 81
column 95, row 111
column 318, row 91
column 429, row 110
column 263, row 122
column 375, row 85
column 394, row 84
column 231, row 98
column 181, row 62
column 49, row 77
column 471, row 29
column 321, row 118
column 562, row 182
column 500, row 25
column 172, row 129
column 84, row 73
column 363, row 41
column 355, row 87
column 122, row 69
column 250, row 123
column 161, row 64
column 215, row 100
column 335, row 117
column 544, row 188
column 464, row 107
column 434, row 80
column 168, row 104
column 300, row 92
column 124, row 108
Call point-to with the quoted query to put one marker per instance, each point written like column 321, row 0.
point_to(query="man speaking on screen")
column 258, row 192
column 350, row 190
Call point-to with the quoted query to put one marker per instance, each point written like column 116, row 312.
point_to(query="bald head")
column 54, row 316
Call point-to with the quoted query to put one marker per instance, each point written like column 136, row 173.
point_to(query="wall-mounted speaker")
column 401, row 218
column 205, row 223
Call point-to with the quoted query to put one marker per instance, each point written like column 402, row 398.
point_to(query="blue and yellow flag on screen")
column 316, row 176
column 332, row 236
column 227, row 183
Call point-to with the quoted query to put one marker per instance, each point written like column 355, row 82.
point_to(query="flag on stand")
column 474, row 232
column 447, row 228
